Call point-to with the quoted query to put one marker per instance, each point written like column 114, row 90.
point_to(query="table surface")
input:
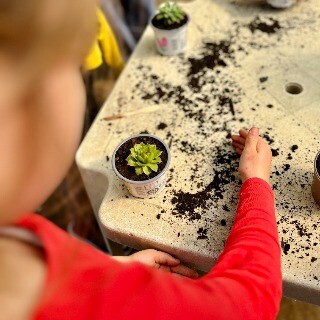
column 233, row 74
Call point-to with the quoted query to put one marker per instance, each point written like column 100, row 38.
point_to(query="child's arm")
column 245, row 283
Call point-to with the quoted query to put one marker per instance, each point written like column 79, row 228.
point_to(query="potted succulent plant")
column 142, row 161
column 170, row 28
column 316, row 180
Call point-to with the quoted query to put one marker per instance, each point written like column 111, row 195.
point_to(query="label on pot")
column 280, row 3
column 171, row 42
column 147, row 189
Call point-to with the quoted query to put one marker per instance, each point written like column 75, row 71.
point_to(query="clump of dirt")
column 269, row 26
column 285, row 247
column 275, row 152
column 162, row 126
column 263, row 79
column 202, row 233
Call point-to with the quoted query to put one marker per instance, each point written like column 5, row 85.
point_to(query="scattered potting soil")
column 318, row 165
column 202, row 233
column 223, row 222
column 187, row 205
column 124, row 151
column 162, row 126
column 226, row 101
column 285, row 246
column 160, row 24
column 275, row 152
column 270, row 27
column 225, row 208
column 188, row 147
column 210, row 99
column 213, row 55
column 286, row 166
column 263, row 79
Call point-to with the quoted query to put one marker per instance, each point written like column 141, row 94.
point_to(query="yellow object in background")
column 104, row 48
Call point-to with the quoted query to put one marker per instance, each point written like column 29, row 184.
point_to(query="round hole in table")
column 294, row 88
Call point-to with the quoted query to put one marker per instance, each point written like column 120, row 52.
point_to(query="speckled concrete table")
column 233, row 74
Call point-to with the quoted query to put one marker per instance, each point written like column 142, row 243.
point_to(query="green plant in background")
column 170, row 12
column 144, row 157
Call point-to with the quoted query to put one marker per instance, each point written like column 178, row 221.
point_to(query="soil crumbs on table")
column 211, row 100
column 270, row 26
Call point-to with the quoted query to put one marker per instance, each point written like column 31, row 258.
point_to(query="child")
column 45, row 274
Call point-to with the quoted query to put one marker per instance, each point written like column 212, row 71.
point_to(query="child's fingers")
column 238, row 145
column 238, row 139
column 239, row 151
column 180, row 270
column 252, row 139
column 185, row 271
column 262, row 145
column 166, row 259
column 243, row 133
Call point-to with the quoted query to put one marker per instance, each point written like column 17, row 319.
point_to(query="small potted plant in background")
column 142, row 161
column 280, row 4
column 170, row 28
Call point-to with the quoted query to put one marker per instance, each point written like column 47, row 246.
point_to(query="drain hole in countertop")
column 294, row 88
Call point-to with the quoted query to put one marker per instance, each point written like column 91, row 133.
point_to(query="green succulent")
column 144, row 157
column 170, row 12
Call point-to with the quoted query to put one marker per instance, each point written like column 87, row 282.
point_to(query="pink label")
column 163, row 42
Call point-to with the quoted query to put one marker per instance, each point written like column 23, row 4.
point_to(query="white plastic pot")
column 280, row 4
column 171, row 42
column 147, row 188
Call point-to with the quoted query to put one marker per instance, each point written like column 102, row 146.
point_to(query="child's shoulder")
column 23, row 270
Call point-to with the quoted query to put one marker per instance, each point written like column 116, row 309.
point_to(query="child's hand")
column 255, row 154
column 160, row 260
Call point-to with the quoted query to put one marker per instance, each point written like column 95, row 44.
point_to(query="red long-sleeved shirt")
column 84, row 283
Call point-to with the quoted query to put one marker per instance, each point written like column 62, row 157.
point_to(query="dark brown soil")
column 124, row 151
column 318, row 165
column 271, row 27
column 160, row 24
column 213, row 55
column 161, row 126
column 187, row 204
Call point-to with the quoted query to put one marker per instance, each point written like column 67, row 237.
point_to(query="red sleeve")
column 244, row 284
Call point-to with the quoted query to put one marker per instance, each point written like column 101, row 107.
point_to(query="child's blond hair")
column 34, row 33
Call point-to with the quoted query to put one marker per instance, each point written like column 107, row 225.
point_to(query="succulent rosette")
column 144, row 158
